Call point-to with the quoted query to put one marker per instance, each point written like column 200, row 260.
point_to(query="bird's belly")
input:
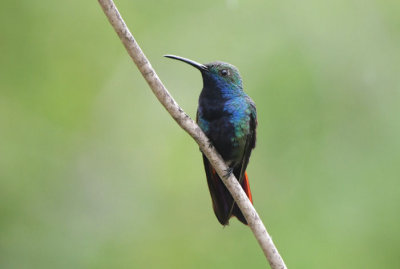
column 224, row 136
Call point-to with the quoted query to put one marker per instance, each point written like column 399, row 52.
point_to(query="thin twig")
column 195, row 132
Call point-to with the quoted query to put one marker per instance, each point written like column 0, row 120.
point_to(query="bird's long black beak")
column 197, row 65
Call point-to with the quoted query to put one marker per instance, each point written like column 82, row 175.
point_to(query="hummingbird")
column 227, row 115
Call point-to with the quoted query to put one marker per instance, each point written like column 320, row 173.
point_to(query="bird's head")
column 215, row 74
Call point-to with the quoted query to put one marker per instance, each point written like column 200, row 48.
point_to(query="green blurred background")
column 95, row 174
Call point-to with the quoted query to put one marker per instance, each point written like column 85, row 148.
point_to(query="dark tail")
column 223, row 203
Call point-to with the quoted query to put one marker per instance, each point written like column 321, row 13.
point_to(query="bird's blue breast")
column 239, row 111
column 235, row 105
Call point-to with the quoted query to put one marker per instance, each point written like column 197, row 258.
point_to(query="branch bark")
column 186, row 123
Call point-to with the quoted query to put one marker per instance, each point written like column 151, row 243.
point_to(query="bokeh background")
column 95, row 174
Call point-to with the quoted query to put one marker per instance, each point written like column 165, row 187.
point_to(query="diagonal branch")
column 186, row 123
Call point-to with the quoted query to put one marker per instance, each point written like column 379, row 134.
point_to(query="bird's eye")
column 224, row 72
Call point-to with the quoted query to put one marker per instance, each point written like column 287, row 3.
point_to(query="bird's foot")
column 228, row 172
column 210, row 145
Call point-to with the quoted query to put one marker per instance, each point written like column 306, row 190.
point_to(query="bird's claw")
column 210, row 145
column 228, row 172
